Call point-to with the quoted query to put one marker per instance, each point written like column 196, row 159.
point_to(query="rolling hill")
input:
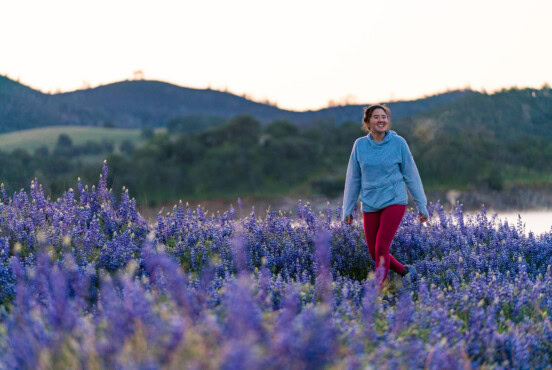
column 506, row 115
column 135, row 104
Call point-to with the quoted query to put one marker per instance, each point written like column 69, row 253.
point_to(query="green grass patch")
column 31, row 140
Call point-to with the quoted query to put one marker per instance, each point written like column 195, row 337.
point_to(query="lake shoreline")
column 534, row 205
column 526, row 199
column 521, row 198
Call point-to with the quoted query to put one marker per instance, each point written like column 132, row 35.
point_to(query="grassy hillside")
column 30, row 140
column 513, row 114
column 137, row 104
column 481, row 142
column 497, row 140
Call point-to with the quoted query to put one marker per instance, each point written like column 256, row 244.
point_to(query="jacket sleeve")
column 352, row 184
column 412, row 179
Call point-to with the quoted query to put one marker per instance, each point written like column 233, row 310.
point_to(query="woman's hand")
column 349, row 219
column 423, row 218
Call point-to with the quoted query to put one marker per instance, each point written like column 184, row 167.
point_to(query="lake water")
column 536, row 221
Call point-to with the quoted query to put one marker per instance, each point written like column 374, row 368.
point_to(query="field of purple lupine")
column 86, row 282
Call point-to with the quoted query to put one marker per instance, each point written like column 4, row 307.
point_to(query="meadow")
column 32, row 139
column 86, row 282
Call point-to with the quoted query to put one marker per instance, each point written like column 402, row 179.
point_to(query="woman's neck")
column 378, row 136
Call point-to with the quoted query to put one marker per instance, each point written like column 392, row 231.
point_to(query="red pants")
column 379, row 229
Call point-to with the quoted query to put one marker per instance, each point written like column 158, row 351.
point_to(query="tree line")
column 241, row 157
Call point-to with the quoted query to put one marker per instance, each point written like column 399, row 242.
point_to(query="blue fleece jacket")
column 379, row 172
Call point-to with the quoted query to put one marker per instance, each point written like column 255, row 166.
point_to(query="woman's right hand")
column 349, row 219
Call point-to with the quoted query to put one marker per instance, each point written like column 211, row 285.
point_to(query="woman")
column 379, row 167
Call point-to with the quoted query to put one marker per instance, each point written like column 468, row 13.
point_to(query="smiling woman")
column 380, row 168
column 377, row 118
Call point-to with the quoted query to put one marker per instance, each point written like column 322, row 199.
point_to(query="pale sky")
column 298, row 54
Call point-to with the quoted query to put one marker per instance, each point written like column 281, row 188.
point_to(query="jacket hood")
column 388, row 136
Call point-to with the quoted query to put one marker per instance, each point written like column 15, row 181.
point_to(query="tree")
column 192, row 123
column 127, row 147
column 243, row 129
column 41, row 151
column 64, row 141
column 281, row 128
column 495, row 180
column 107, row 145
column 148, row 133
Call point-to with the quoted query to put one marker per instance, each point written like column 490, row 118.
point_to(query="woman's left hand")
column 423, row 218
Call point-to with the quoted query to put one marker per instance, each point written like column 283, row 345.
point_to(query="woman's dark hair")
column 368, row 111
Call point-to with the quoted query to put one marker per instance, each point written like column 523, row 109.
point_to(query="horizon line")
column 331, row 103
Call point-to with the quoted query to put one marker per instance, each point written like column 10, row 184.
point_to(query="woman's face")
column 379, row 122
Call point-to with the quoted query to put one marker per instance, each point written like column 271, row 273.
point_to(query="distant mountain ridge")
column 139, row 103
column 514, row 114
